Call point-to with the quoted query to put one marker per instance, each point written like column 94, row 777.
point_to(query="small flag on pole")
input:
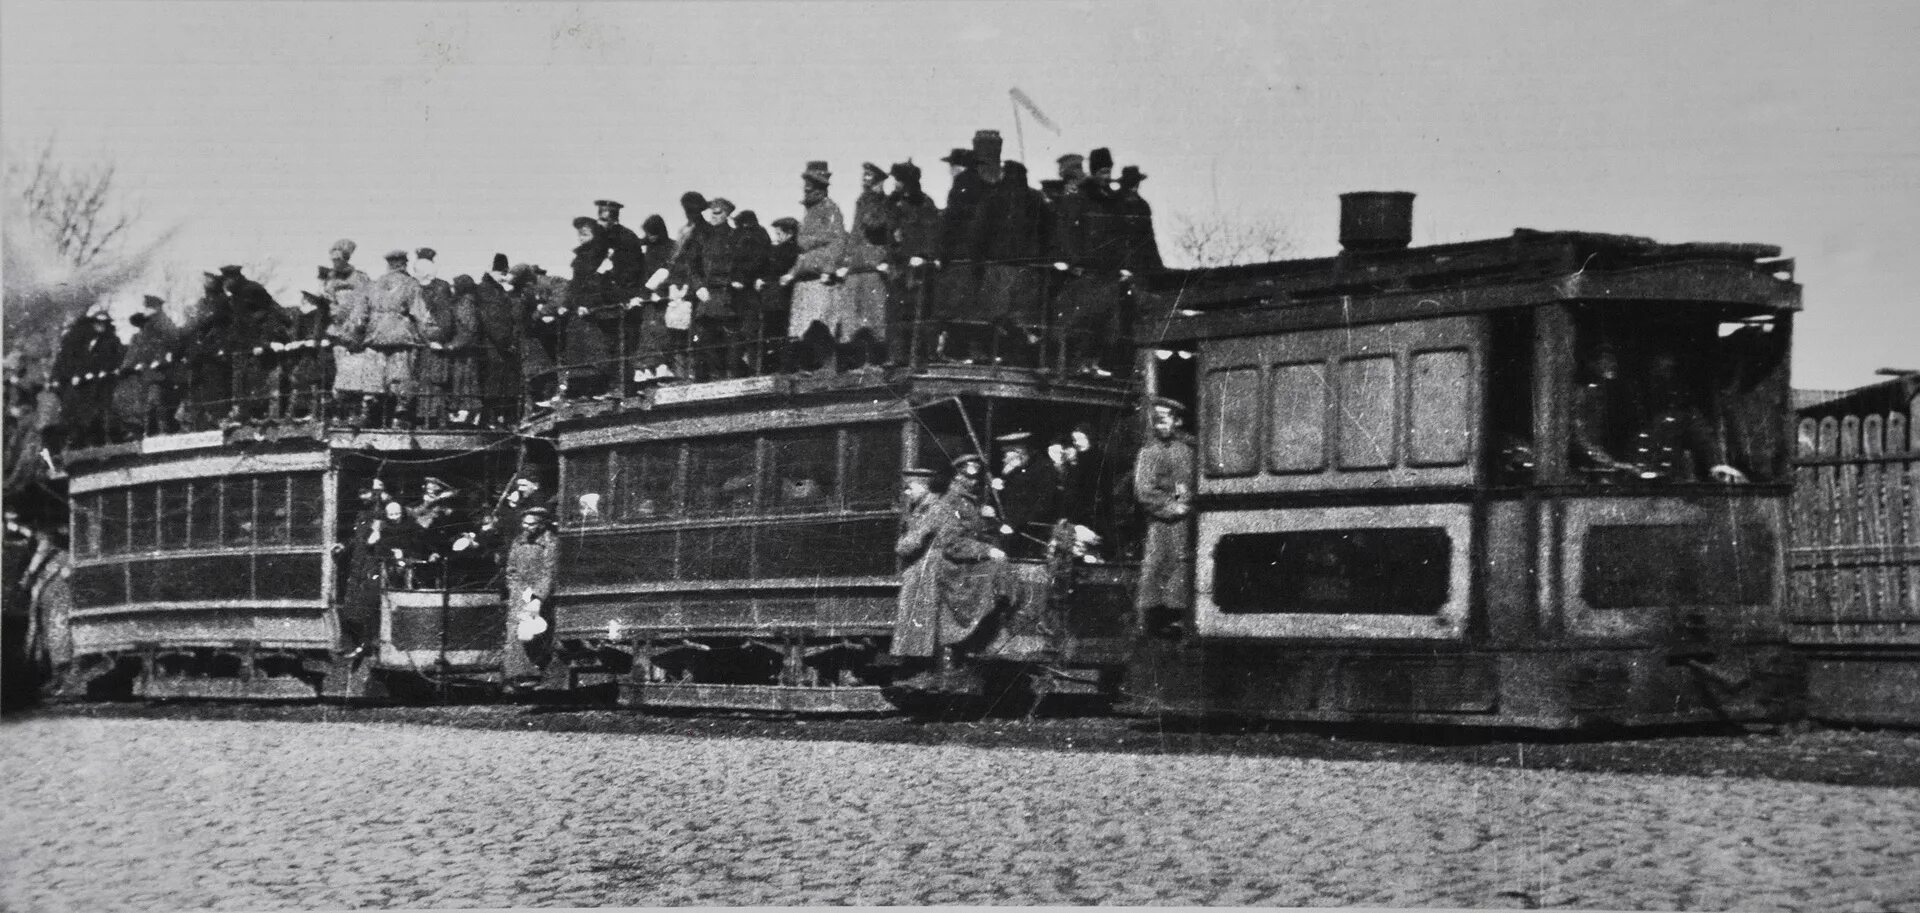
column 1020, row 98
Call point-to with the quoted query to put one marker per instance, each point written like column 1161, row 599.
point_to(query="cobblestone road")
column 156, row 815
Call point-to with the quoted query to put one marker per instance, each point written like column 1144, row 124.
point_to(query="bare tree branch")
column 1220, row 239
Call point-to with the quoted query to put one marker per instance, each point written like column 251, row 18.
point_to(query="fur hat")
column 817, row 172
column 396, row 256
column 905, row 172
column 1100, row 160
column 499, row 264
column 344, row 246
column 425, row 253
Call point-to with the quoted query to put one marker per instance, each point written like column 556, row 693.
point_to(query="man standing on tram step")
column 1163, row 483
column 499, row 345
column 529, row 576
column 355, row 377
column 916, row 627
column 819, row 302
column 1029, row 501
column 149, row 392
column 394, row 325
column 959, row 276
column 863, row 267
column 433, row 370
column 1010, row 238
column 258, row 323
column 914, row 221
column 971, row 561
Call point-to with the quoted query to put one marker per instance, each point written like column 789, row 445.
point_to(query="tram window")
column 1395, row 571
column 1440, row 425
column 584, row 501
column 1232, row 421
column 873, row 467
column 173, row 509
column 801, row 471
column 1648, row 565
column 307, row 507
column 1369, row 397
column 236, row 511
column 1299, row 417
column 113, row 522
column 204, row 514
column 142, row 518
column 721, row 478
column 273, row 513
column 86, row 525
column 647, row 475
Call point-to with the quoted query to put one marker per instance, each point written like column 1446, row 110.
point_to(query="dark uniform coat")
column 1029, row 503
column 969, row 574
column 1010, row 235
column 916, row 630
column 960, row 275
column 499, row 330
column 148, row 392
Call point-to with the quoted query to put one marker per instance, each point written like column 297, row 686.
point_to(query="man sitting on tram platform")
column 529, row 583
column 972, row 563
column 1163, row 483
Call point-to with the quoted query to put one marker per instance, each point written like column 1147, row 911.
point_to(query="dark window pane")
column 1367, row 405
column 715, row 554
column 873, row 467
column 204, row 514
column 1401, row 571
column 801, row 469
column 859, row 548
column 142, row 519
column 285, row 576
column 113, row 522
column 608, row 559
column 236, row 511
column 646, row 475
column 1232, row 422
column 1653, row 565
column 308, row 509
column 100, row 585
column 173, row 515
column 720, row 477
column 583, row 499
column 272, row 512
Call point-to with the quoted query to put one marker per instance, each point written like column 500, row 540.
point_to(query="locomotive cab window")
column 1676, row 396
column 1402, row 571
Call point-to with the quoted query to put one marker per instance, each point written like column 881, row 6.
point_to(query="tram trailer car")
column 1429, row 491
column 207, row 565
column 729, row 545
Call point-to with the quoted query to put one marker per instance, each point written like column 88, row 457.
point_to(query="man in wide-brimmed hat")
column 959, row 277
column 1140, row 250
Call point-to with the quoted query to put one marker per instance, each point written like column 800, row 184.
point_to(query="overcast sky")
column 265, row 131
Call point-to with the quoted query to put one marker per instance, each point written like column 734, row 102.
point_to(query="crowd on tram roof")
column 1005, row 271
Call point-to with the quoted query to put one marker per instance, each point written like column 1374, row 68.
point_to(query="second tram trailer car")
column 1484, row 483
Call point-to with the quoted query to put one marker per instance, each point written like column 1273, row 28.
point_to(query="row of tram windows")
column 1649, row 397
column 776, row 473
column 235, row 512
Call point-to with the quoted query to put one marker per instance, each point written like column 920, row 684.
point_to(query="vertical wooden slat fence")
column 1855, row 563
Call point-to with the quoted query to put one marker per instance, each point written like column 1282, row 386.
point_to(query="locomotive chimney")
column 1376, row 220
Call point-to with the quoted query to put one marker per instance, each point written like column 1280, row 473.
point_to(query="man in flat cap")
column 1163, row 483
column 914, row 221
column 819, row 301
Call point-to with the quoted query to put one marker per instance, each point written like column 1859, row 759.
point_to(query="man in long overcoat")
column 463, row 352
column 394, row 324
column 529, row 575
column 149, row 390
column 913, row 221
column 210, row 368
column 916, row 627
column 1028, row 496
column 959, row 277
column 646, row 327
column 355, row 370
column 432, row 363
column 971, row 562
column 258, row 322
column 819, row 300
column 499, row 345
column 1010, row 236
column 303, row 358
column 591, row 334
column 1163, row 483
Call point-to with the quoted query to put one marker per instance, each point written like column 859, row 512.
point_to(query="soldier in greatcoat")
column 863, row 268
column 626, row 253
column 753, row 250
column 394, row 324
column 971, row 561
column 303, row 358
column 210, row 389
column 529, row 575
column 1163, row 483
column 776, row 295
column 355, row 370
column 360, row 559
column 916, row 627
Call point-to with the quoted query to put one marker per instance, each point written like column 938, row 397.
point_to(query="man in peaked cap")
column 922, row 535
column 1028, row 495
column 260, row 327
column 1164, row 483
column 531, row 557
column 626, row 275
column 149, row 392
column 970, row 562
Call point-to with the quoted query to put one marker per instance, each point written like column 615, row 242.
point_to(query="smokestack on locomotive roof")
column 1376, row 220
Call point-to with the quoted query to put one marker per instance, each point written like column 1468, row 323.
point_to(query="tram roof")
column 1532, row 266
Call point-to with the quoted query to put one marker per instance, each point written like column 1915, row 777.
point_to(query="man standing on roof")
column 258, row 324
column 1163, row 483
column 959, row 278
column 819, row 303
column 862, row 269
column 914, row 223
column 498, row 345
column 626, row 253
column 149, row 391
column 394, row 325
column 355, row 378
column 433, row 369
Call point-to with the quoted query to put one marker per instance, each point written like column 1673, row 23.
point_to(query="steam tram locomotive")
column 1465, row 484
column 204, row 563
